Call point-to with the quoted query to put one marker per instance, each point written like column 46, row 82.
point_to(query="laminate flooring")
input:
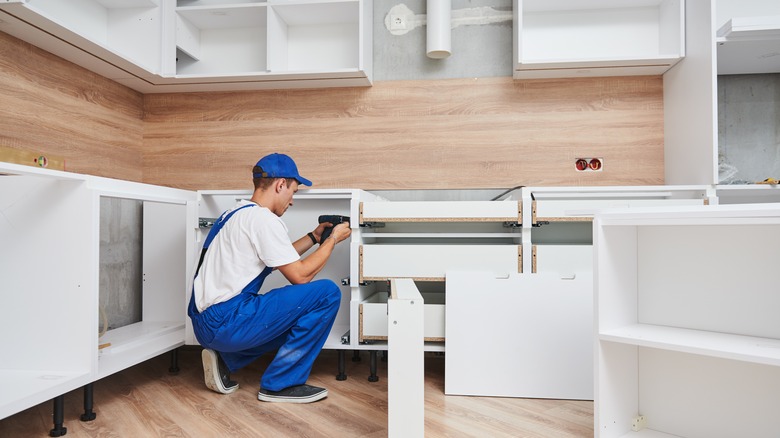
column 148, row 401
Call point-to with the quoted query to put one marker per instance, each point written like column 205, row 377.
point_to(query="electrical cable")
column 504, row 193
column 104, row 320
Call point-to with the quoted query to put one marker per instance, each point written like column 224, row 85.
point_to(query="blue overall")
column 294, row 319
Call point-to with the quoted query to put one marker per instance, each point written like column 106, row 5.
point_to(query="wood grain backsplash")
column 51, row 106
column 443, row 134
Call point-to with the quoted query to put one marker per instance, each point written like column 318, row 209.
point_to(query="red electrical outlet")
column 589, row 164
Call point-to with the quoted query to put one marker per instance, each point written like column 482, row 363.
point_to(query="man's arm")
column 304, row 270
column 305, row 243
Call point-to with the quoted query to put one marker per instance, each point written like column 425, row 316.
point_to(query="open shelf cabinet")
column 273, row 40
column 686, row 332
column 568, row 38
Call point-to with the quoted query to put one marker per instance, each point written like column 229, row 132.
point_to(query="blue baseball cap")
column 278, row 166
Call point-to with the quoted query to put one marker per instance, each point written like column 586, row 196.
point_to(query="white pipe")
column 439, row 28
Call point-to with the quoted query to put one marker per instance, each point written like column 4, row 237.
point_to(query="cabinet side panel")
column 690, row 103
column 47, row 266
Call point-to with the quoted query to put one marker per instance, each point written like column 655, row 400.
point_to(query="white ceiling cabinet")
column 204, row 45
column 566, row 38
column 748, row 36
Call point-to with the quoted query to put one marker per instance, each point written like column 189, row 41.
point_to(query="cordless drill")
column 335, row 219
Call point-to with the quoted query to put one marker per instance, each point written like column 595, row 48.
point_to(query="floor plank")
column 146, row 400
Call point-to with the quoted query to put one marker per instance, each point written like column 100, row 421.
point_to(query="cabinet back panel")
column 696, row 396
column 442, row 134
column 709, row 257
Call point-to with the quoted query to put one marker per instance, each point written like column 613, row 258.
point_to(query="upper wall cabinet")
column 748, row 36
column 118, row 39
column 576, row 38
column 277, row 40
column 204, row 45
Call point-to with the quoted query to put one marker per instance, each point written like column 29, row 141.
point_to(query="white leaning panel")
column 431, row 262
column 548, row 321
column 441, row 211
column 406, row 369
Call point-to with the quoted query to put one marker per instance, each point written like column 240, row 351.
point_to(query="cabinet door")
column 541, row 326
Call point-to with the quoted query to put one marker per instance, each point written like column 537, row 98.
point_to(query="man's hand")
column 304, row 270
column 341, row 232
column 321, row 229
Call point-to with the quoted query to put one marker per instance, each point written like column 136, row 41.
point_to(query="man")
column 234, row 323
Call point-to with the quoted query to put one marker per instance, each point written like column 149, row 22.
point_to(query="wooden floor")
column 146, row 400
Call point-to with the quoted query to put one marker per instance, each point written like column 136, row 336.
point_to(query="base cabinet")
column 50, row 263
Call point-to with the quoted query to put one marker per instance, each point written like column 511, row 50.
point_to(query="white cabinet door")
column 523, row 336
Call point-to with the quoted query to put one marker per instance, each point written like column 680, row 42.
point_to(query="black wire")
column 504, row 193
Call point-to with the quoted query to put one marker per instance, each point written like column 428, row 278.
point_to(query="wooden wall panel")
column 51, row 106
column 444, row 134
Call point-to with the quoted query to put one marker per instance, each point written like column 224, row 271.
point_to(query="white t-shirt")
column 253, row 238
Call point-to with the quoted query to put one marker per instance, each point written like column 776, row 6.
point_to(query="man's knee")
column 329, row 291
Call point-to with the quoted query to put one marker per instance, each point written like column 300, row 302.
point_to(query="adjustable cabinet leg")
column 59, row 407
column 174, row 369
column 88, row 415
column 373, row 377
column 342, row 375
column 355, row 355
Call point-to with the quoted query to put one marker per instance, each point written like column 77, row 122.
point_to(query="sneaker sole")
column 281, row 399
column 211, row 373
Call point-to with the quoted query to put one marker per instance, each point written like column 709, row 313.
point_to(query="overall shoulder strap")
column 218, row 224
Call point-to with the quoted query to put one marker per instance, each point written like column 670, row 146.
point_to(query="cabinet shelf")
column 723, row 345
column 137, row 342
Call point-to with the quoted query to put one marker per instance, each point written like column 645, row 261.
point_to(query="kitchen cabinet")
column 158, row 46
column 300, row 219
column 747, row 37
column 519, row 335
column 686, row 335
column 566, row 38
column 422, row 241
column 50, row 265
